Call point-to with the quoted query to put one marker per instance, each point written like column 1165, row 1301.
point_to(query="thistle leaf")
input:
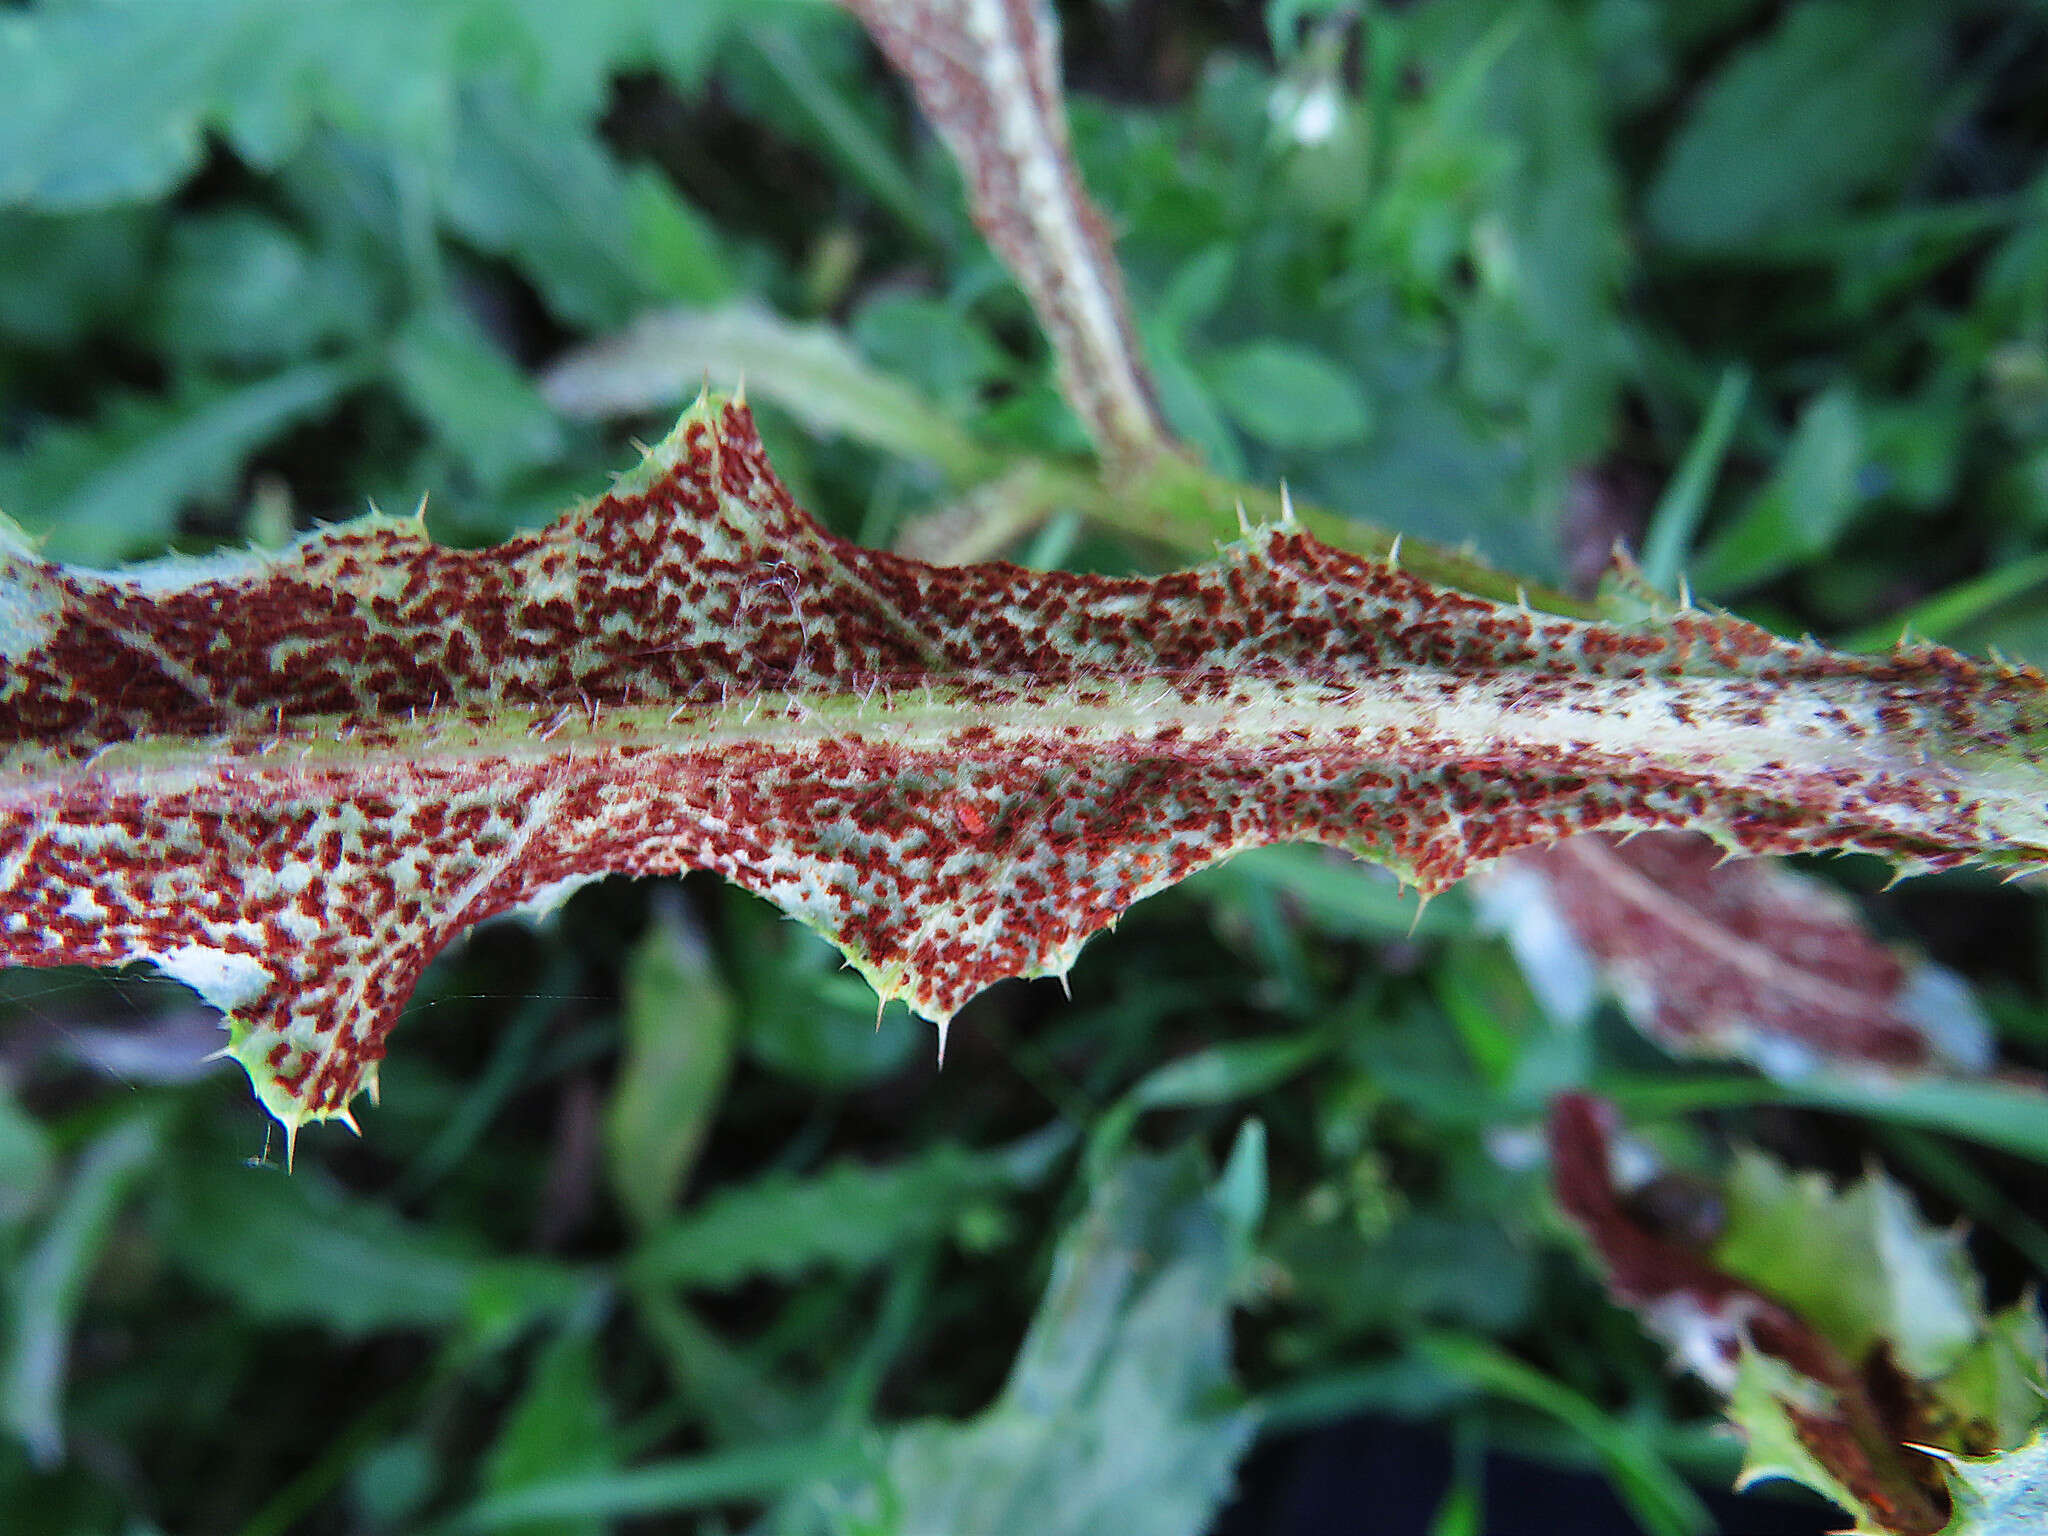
column 1710, row 956
column 289, row 780
column 2003, row 1495
column 1859, row 1263
column 1848, row 1336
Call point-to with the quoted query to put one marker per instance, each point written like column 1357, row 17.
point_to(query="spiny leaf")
column 1848, row 1336
column 290, row 780
column 2004, row 1495
column 1859, row 1264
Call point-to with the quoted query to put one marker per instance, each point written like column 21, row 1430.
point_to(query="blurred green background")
column 652, row 1222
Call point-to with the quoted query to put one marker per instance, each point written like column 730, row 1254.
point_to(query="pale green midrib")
column 1465, row 717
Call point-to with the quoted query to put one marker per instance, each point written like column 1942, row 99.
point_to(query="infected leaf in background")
column 1713, row 957
column 986, row 74
column 289, row 780
column 1845, row 1332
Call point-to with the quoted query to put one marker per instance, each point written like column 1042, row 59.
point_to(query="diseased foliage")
column 290, row 781
column 1851, row 1340
column 650, row 1220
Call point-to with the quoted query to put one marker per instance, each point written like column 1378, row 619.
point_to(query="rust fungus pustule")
column 290, row 780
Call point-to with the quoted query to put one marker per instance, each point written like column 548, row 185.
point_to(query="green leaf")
column 297, row 1249
column 599, row 242
column 48, row 1287
column 241, row 287
column 1859, row 1264
column 1189, row 404
column 1218, row 1074
column 736, row 1391
column 1366, row 1274
column 673, row 247
column 113, row 100
column 477, row 402
column 1836, row 103
column 1677, row 514
column 68, row 275
column 1804, row 507
column 26, row 1160
column 1958, row 611
column 559, row 1429
column 679, row 1024
column 1195, row 292
column 1541, row 338
column 1341, row 896
column 848, row 1217
column 809, row 371
column 802, row 1015
column 748, row 1472
column 1242, row 1188
column 1115, row 1415
column 803, row 82
column 1991, row 1114
column 1287, row 397
column 1655, row 1494
column 930, row 344
column 110, row 489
